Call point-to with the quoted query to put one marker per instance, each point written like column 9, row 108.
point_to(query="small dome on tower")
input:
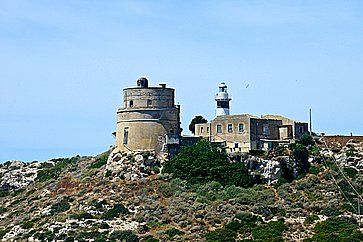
column 143, row 82
column 222, row 85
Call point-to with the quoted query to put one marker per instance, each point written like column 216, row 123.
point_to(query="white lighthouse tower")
column 222, row 99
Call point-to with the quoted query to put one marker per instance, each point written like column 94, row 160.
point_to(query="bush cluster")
column 116, row 211
column 126, row 236
column 27, row 224
column 337, row 229
column 80, row 216
column 54, row 171
column 173, row 232
column 203, row 162
column 101, row 160
column 311, row 219
column 271, row 231
column 246, row 224
column 60, row 206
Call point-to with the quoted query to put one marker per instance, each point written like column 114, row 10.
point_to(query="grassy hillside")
column 77, row 199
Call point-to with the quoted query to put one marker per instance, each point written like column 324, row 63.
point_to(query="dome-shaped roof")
column 143, row 82
column 222, row 85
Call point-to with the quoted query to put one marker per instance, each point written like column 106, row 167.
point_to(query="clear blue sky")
column 63, row 65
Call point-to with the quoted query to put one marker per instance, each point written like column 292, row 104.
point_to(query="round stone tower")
column 149, row 120
column 222, row 99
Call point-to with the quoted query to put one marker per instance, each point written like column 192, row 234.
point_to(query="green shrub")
column 166, row 190
column 54, row 171
column 351, row 152
column 99, row 204
column 3, row 232
column 80, row 216
column 173, row 232
column 46, row 236
column 27, row 224
column 69, row 239
column 150, row 238
column 19, row 191
column 116, row 211
column 61, row 206
column 124, row 236
column 335, row 224
column 104, row 225
column 350, row 171
column 287, row 174
column 314, row 170
column 306, row 140
column 203, row 162
column 311, row 219
column 15, row 202
column 337, row 229
column 2, row 209
column 154, row 224
column 301, row 155
column 220, row 235
column 247, row 221
column 314, row 150
column 350, row 207
column 4, row 193
column 233, row 225
column 101, row 160
column 108, row 173
column 242, row 223
column 270, row 231
column 94, row 235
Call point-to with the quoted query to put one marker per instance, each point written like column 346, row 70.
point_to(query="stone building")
column 149, row 119
column 245, row 132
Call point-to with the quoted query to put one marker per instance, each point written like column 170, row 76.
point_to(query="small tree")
column 196, row 120
column 306, row 140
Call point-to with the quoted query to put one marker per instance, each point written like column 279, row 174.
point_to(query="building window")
column 149, row 103
column 201, row 129
column 230, row 128
column 219, row 129
column 126, row 135
column 131, row 104
column 241, row 128
column 301, row 129
column 207, row 129
column 236, row 144
column 266, row 130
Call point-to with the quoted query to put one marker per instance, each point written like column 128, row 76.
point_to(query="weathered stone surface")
column 133, row 166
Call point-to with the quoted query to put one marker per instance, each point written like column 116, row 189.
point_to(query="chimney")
column 162, row 85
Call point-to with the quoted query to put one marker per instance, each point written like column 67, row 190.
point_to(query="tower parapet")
column 222, row 98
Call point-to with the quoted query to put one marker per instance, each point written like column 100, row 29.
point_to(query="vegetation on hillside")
column 203, row 162
column 202, row 200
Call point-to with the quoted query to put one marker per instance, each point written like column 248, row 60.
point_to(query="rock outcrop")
column 17, row 174
column 133, row 165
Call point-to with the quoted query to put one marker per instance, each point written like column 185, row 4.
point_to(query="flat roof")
column 145, row 88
